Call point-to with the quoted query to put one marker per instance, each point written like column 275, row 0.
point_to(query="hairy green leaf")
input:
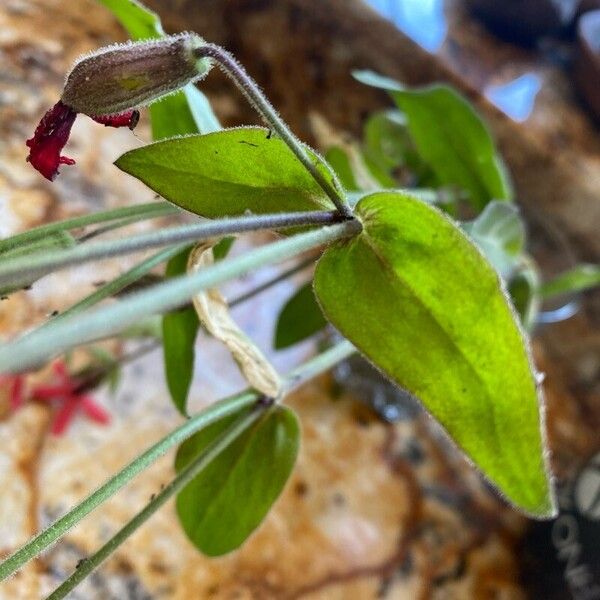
column 300, row 318
column 227, row 501
column 421, row 302
column 450, row 137
column 179, row 331
column 227, row 173
column 580, row 278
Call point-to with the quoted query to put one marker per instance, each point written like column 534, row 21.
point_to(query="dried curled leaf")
column 213, row 313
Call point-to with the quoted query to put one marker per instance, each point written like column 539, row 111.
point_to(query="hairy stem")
column 317, row 365
column 38, row 346
column 258, row 100
column 271, row 282
column 118, row 284
column 150, row 210
column 98, row 231
column 178, row 483
column 23, row 270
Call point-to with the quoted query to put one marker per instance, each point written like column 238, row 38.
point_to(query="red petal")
column 51, row 392
column 127, row 119
column 94, row 411
column 50, row 138
column 65, row 415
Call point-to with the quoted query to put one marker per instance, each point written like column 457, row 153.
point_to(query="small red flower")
column 72, row 399
column 53, row 131
column 50, row 138
column 108, row 85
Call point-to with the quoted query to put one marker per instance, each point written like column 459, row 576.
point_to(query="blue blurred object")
column 517, row 97
column 423, row 21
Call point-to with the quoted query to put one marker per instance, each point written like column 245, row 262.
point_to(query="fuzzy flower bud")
column 127, row 76
column 109, row 85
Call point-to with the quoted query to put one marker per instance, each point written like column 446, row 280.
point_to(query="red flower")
column 110, row 84
column 53, row 131
column 71, row 398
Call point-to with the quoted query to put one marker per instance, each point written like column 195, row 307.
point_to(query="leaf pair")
column 411, row 292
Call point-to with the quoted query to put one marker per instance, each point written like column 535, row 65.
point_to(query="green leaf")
column 580, row 278
column 227, row 173
column 300, row 318
column 179, row 331
column 524, row 287
column 500, row 233
column 450, row 137
column 140, row 23
column 222, row 247
column 386, row 138
column 340, row 162
column 421, row 302
column 201, row 110
column 183, row 113
column 172, row 116
column 227, row 501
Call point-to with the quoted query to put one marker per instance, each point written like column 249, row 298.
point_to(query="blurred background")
column 380, row 504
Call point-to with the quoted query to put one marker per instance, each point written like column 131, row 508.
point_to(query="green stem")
column 178, row 483
column 257, row 99
column 271, row 282
column 317, row 365
column 57, row 529
column 114, row 286
column 24, row 269
column 149, row 210
column 36, row 347
column 98, row 231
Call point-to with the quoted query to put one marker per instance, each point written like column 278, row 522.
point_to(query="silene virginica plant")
column 441, row 306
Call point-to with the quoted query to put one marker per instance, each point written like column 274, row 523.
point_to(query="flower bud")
column 125, row 76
